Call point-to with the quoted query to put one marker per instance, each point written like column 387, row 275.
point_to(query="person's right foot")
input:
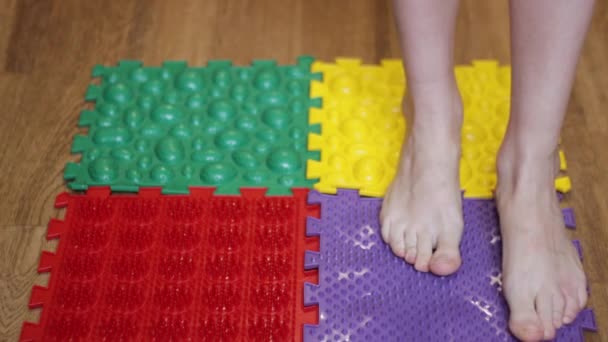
column 422, row 212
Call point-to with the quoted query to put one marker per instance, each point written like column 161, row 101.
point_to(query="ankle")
column 525, row 170
column 434, row 111
column 517, row 152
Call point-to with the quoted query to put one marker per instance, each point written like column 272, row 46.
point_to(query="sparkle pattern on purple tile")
column 365, row 293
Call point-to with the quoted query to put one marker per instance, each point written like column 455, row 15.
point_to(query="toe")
column 410, row 246
column 385, row 229
column 395, row 237
column 446, row 259
column 559, row 304
column 544, row 308
column 572, row 306
column 424, row 252
column 526, row 330
column 524, row 323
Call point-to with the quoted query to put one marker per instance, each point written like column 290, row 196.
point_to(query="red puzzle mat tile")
column 184, row 267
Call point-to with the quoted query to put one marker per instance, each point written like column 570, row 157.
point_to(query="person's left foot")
column 543, row 279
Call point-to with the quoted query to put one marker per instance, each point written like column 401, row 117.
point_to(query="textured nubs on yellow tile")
column 362, row 125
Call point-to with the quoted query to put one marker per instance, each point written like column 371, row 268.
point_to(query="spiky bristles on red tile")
column 195, row 266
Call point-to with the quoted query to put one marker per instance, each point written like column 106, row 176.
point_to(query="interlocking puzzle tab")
column 177, row 126
column 366, row 293
column 193, row 267
column 363, row 126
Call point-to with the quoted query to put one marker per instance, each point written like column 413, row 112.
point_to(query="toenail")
column 567, row 319
column 442, row 258
column 531, row 330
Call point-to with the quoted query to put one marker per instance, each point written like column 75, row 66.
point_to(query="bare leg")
column 422, row 214
column 543, row 279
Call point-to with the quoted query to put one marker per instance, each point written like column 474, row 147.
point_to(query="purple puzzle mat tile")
column 365, row 293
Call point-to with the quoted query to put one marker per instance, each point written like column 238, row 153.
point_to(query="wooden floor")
column 47, row 49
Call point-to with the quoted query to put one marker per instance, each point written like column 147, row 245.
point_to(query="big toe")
column 527, row 328
column 446, row 259
column 445, row 262
column 524, row 322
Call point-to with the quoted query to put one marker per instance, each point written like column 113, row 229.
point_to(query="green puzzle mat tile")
column 177, row 126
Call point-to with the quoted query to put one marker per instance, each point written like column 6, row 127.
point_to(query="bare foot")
column 544, row 282
column 422, row 212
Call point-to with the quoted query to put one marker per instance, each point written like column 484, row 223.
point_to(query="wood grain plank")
column 20, row 248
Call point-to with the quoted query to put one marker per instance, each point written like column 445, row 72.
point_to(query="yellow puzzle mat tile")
column 362, row 126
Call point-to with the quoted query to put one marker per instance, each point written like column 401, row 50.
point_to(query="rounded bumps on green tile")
column 141, row 145
column 198, row 143
column 256, row 176
column 161, row 174
column 276, row 117
column 296, row 88
column 239, row 92
column 167, row 114
column 273, row 98
column 196, row 102
column 172, row 97
column 169, row 150
column 118, row 94
column 154, row 87
column 267, row 79
column 297, row 133
column 146, row 102
column 245, row 159
column 284, row 160
column 287, row 180
column 134, row 117
column 217, row 173
column 231, row 139
column 108, row 110
column 103, row 170
column 222, row 77
column 181, row 131
column 139, row 75
column 122, row 154
column 213, row 127
column 134, row 176
column 177, row 126
column 222, row 110
column 208, row 155
column 266, row 134
column 246, row 123
column 112, row 136
column 187, row 171
column 151, row 130
column 261, row 147
column 144, row 162
column 189, row 81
